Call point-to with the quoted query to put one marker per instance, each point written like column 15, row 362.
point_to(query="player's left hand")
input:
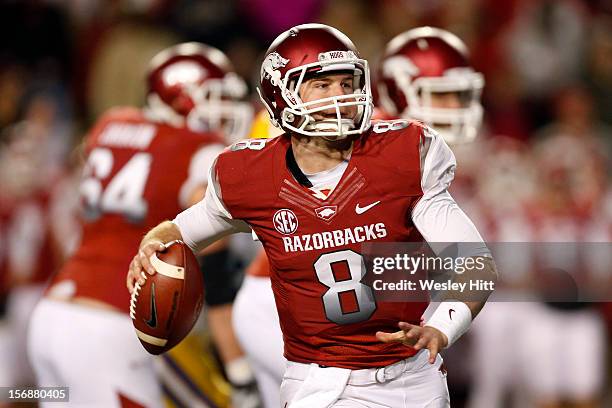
column 418, row 337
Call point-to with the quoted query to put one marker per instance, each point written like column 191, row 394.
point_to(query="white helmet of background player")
column 423, row 62
column 301, row 53
column 194, row 85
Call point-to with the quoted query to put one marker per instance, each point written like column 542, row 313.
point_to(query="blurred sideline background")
column 540, row 170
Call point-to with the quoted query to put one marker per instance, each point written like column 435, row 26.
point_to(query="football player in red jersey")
column 386, row 183
column 425, row 74
column 81, row 335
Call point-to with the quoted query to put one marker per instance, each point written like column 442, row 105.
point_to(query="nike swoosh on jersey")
column 361, row 210
column 152, row 322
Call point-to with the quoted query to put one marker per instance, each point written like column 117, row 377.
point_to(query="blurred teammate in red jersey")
column 388, row 184
column 141, row 167
column 425, row 74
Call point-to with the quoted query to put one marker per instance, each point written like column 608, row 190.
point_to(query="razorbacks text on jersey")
column 137, row 173
column 263, row 129
column 397, row 172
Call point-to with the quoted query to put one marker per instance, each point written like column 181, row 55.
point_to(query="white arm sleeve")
column 199, row 168
column 437, row 216
column 208, row 220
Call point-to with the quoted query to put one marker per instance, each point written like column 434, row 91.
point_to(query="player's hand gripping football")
column 141, row 263
column 418, row 337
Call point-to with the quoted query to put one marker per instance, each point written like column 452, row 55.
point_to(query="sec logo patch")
column 285, row 221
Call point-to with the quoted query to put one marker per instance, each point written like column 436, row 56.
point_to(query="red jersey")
column 260, row 266
column 327, row 315
column 137, row 174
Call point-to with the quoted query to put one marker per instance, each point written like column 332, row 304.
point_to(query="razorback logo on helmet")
column 285, row 221
column 326, row 213
column 399, row 65
column 270, row 66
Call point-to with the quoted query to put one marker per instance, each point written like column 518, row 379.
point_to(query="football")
column 166, row 307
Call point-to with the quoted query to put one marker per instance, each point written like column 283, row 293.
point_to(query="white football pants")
column 92, row 351
column 410, row 383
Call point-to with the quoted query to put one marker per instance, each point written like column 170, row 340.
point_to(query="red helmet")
column 194, row 85
column 425, row 61
column 299, row 53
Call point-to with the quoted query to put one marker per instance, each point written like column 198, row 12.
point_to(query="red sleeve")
column 245, row 178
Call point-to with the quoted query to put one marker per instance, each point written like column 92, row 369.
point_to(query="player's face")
column 446, row 100
column 326, row 86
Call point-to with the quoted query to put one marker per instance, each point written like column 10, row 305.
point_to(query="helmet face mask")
column 338, row 126
column 456, row 124
column 194, row 85
column 281, row 84
column 219, row 105
column 422, row 67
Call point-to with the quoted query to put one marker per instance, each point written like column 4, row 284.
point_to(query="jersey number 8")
column 366, row 305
